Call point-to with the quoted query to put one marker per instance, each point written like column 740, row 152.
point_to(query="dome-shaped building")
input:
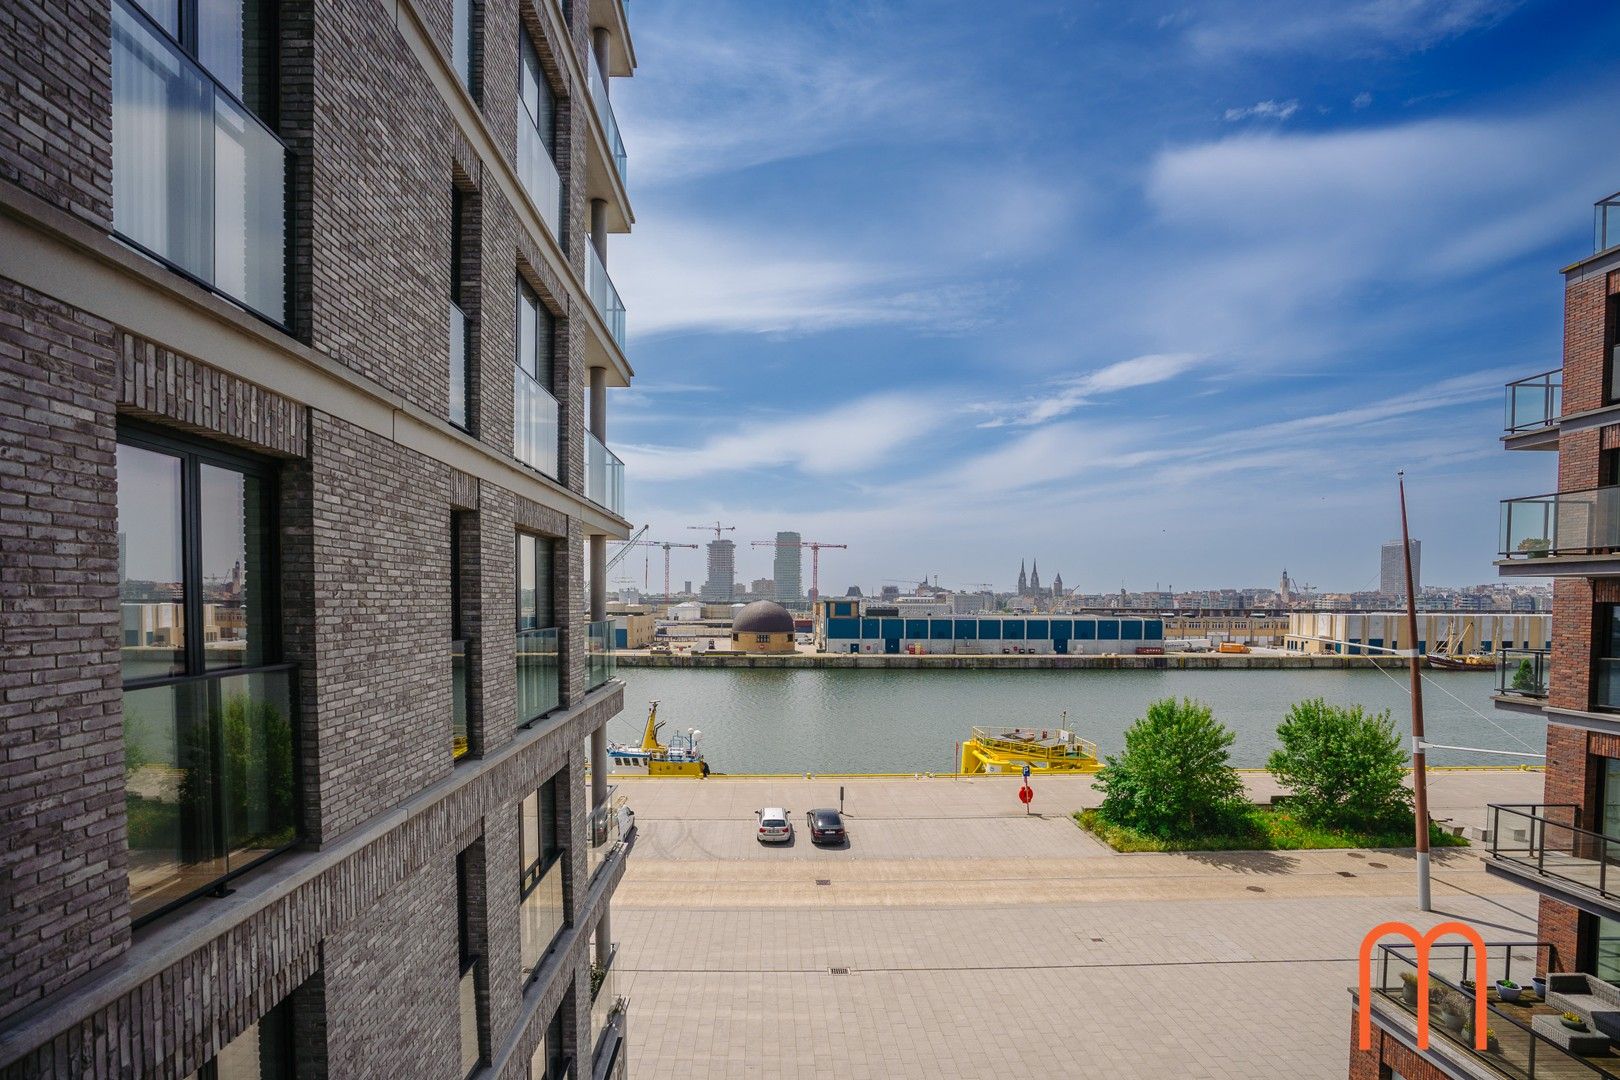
column 763, row 626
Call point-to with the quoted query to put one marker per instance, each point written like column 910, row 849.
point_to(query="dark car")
column 826, row 826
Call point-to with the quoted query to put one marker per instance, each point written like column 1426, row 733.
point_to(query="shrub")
column 1524, row 678
column 1175, row 779
column 1345, row 768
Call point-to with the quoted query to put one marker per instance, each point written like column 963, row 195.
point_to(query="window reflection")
column 151, row 589
column 233, row 552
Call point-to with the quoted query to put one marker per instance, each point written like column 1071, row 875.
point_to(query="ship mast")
column 1420, row 785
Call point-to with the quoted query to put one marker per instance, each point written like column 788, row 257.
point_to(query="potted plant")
column 1508, row 990
column 1524, row 679
column 1540, row 985
column 1573, row 1021
column 1454, row 1011
column 1536, row 547
column 1409, row 987
column 1492, row 1044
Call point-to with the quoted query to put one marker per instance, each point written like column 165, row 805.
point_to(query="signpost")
column 1026, row 795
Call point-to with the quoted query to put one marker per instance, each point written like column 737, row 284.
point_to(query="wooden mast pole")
column 1420, row 784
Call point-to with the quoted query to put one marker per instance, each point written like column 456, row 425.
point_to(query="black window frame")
column 466, row 959
column 1611, row 350
column 546, row 340
column 1605, row 624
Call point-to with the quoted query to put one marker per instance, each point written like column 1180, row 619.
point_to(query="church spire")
column 1035, row 578
column 1023, row 579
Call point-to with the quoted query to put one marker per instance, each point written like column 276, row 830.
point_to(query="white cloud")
column 1337, row 27
column 1361, row 100
column 1263, row 110
column 1066, row 395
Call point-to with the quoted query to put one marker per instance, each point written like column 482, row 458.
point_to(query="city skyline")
column 875, row 337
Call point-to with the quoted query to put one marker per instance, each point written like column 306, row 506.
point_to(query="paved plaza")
column 980, row 941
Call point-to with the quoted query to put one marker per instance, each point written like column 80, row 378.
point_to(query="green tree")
column 1175, row 779
column 1346, row 769
column 1524, row 679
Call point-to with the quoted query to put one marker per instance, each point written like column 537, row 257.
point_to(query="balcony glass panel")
column 609, row 824
column 604, row 476
column 151, row 575
column 539, row 687
column 541, row 917
column 1606, row 223
column 208, row 780
column 536, row 123
column 1534, row 402
column 1522, row 672
column 599, row 653
column 610, row 123
column 471, row 1053
column 198, row 181
column 1566, row 523
column 534, row 424
column 604, row 295
column 459, row 352
column 1544, row 840
column 606, row 999
column 458, row 698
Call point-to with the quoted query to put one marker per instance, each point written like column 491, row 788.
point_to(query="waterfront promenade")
column 981, row 942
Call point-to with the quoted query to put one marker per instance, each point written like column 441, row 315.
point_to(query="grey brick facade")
column 352, row 927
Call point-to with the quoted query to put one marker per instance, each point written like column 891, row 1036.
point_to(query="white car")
column 774, row 826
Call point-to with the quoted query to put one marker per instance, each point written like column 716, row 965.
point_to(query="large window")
column 548, row 1061
column 460, row 324
column 540, row 879
column 466, row 33
column 539, row 682
column 199, row 174
column 208, row 720
column 1606, row 657
column 537, row 136
column 265, row 1051
column 473, row 1051
column 460, row 686
column 535, row 428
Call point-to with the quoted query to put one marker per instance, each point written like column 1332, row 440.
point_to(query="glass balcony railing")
column 610, row 124
column 460, row 351
column 208, row 781
column 1517, row 1043
column 604, row 476
column 1606, row 223
column 540, row 916
column 604, row 295
column 198, row 180
column 458, row 699
column 609, row 824
column 539, row 174
column 1565, row 523
column 1522, row 672
column 1545, row 840
column 1535, row 402
column 534, row 424
column 606, row 996
column 599, row 653
column 539, row 675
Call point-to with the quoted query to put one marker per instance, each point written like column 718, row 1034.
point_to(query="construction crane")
column 666, row 545
column 622, row 552
column 815, row 547
column 717, row 527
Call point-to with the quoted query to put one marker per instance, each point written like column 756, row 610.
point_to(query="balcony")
column 1606, row 223
column 199, row 182
column 1518, row 1045
column 534, row 423
column 610, row 124
column 1522, row 672
column 539, row 681
column 604, row 476
column 1542, row 846
column 611, row 822
column 1533, row 408
column 460, row 350
column 541, row 917
column 1565, row 533
column 599, row 653
column 604, row 295
column 538, row 174
column 607, row 1000
column 209, row 787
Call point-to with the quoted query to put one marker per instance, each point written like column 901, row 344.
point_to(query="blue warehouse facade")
column 850, row 625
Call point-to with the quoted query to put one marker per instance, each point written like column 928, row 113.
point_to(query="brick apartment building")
column 1568, row 848
column 306, row 335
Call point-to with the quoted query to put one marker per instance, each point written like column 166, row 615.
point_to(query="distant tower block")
column 1392, row 569
column 787, row 569
column 722, row 584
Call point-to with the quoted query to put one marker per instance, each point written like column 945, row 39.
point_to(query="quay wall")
column 1184, row 662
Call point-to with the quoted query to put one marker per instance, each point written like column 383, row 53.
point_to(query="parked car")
column 774, row 826
column 826, row 826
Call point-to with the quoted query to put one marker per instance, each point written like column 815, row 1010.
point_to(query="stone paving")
column 980, row 942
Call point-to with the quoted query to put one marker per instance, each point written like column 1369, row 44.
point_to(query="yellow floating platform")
column 1008, row 751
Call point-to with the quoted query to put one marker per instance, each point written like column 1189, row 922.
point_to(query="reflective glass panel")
column 150, row 561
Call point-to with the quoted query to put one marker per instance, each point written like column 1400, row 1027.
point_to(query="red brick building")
column 306, row 340
column 1567, row 848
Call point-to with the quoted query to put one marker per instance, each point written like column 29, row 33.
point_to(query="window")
column 460, row 687
column 539, row 684
column 1606, row 659
column 540, row 880
column 548, row 1061
column 199, row 174
column 1611, row 348
column 460, row 324
column 534, row 410
column 208, row 719
column 537, row 121
column 473, row 1051
column 263, row 1052
column 466, row 33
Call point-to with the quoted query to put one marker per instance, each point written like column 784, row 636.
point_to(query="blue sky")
column 1162, row 294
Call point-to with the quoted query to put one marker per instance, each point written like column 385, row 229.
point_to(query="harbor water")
column 823, row 721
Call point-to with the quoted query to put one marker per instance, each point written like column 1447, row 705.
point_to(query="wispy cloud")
column 1351, row 28
column 1263, row 110
column 1065, row 395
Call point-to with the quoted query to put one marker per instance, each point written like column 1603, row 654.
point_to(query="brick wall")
column 1386, row 1050
column 64, row 907
column 1583, row 345
column 1570, row 678
column 157, row 384
column 56, row 103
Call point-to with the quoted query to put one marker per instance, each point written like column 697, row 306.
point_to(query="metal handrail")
column 1585, row 844
column 1543, row 403
column 1510, row 667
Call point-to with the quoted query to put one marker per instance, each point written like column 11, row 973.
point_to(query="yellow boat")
column 681, row 758
column 1008, row 750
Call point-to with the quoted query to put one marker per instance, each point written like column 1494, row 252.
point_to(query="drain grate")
column 838, row 971
column 1379, row 865
column 823, row 881
column 1097, row 940
column 1255, row 888
column 1345, row 873
column 1354, row 855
